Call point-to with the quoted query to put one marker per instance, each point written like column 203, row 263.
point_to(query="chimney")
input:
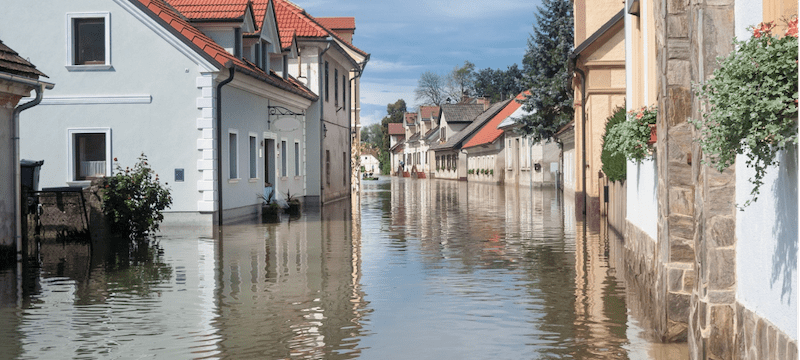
column 484, row 101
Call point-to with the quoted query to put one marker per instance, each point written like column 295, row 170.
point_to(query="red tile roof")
column 489, row 133
column 260, row 10
column 338, row 23
column 428, row 112
column 293, row 17
column 396, row 129
column 172, row 19
column 411, row 118
column 211, row 9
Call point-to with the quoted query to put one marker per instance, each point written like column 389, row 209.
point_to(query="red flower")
column 792, row 30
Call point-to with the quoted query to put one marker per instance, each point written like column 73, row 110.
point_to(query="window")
column 283, row 158
column 345, row 168
column 327, row 89
column 88, row 43
column 90, row 153
column 296, row 158
column 237, row 43
column 344, row 91
column 328, row 167
column 336, row 87
column 253, row 163
column 232, row 155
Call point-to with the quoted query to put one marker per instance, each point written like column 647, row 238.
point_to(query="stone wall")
column 758, row 339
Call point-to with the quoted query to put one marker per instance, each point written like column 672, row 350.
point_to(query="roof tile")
column 489, row 132
column 338, row 23
column 12, row 63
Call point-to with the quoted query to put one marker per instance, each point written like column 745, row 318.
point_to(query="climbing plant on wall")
column 614, row 164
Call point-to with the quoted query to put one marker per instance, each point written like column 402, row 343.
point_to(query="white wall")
column 766, row 231
column 642, row 204
column 766, row 243
column 159, row 120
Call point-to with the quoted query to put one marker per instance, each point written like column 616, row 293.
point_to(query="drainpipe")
column 231, row 69
column 583, row 136
column 321, row 67
column 360, row 70
column 39, row 87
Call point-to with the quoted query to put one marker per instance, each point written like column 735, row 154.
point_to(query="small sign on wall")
column 178, row 175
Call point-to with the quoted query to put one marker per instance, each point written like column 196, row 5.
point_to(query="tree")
column 430, row 89
column 498, row 85
column 395, row 113
column 546, row 71
column 460, row 81
column 372, row 135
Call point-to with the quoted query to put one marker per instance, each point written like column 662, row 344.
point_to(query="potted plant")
column 752, row 103
column 632, row 138
column 491, row 172
column 270, row 210
column 294, row 205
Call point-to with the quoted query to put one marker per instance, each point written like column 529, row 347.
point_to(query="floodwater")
column 424, row 269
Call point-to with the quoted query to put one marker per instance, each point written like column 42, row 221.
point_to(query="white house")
column 330, row 66
column 458, row 122
column 371, row 164
column 195, row 90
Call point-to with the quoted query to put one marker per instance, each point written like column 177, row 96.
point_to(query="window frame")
column 233, row 156
column 327, row 88
column 71, row 132
column 336, row 88
column 71, row 46
column 284, row 158
column 297, row 162
column 253, row 151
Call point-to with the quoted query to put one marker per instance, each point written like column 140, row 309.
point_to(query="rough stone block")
column 679, row 73
column 761, row 339
column 676, row 6
column 720, row 201
column 688, row 281
column 718, row 29
column 721, row 231
column 702, row 311
column 680, row 174
column 678, row 306
column 782, row 350
column 721, row 331
column 677, row 27
column 772, row 342
column 681, row 201
column 792, row 348
column 675, row 280
column 721, row 269
column 678, row 49
column 682, row 227
column 718, row 297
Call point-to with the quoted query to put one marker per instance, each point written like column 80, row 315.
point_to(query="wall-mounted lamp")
column 537, row 166
column 324, row 130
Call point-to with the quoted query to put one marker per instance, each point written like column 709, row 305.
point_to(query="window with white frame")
column 283, row 158
column 88, row 41
column 296, row 158
column 90, row 153
column 233, row 153
column 253, row 157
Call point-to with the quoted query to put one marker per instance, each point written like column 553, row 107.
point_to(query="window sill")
column 105, row 67
column 252, row 180
column 298, row 177
column 79, row 183
column 284, row 178
column 233, row 181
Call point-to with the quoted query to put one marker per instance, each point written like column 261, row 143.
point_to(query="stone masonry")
column 697, row 208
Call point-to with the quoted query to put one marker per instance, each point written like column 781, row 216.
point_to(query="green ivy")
column 752, row 104
column 629, row 138
column 134, row 199
column 614, row 165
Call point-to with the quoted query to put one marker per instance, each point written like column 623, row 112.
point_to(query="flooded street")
column 427, row 269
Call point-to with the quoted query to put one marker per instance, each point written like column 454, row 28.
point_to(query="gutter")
column 360, row 70
column 218, row 105
column 39, row 87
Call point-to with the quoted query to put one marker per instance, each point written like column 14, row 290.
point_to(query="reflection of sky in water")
column 439, row 270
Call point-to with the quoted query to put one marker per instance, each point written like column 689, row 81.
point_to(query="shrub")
column 134, row 200
column 752, row 103
column 614, row 164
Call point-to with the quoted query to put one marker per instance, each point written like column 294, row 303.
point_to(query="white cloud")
column 390, row 66
column 385, row 93
column 480, row 9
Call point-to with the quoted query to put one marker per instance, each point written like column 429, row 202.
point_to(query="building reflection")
column 290, row 290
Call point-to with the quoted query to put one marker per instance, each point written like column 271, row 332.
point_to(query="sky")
column 406, row 38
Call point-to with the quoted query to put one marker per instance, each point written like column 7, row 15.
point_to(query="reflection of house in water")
column 293, row 286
